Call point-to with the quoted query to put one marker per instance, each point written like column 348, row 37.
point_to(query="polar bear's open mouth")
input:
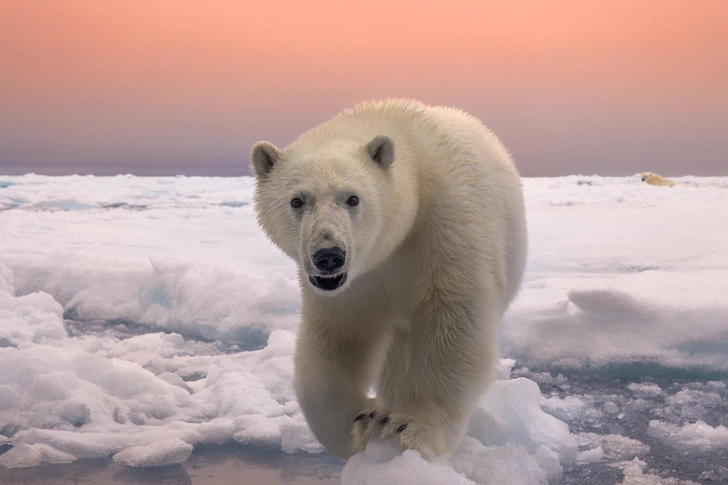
column 328, row 283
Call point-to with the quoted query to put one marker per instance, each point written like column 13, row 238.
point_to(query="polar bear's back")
column 473, row 167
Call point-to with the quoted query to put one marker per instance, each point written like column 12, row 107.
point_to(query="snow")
column 141, row 318
column 614, row 271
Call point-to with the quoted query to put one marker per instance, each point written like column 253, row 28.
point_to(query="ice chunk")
column 716, row 385
column 613, row 446
column 570, row 408
column 634, row 474
column 21, row 456
column 590, row 456
column 30, row 318
column 549, row 462
column 542, row 377
column 686, row 397
column 261, row 431
column 297, row 436
column 175, row 380
column 93, row 394
column 611, row 408
column 473, row 463
column 517, row 404
column 24, row 456
column 694, row 404
column 691, row 437
column 647, row 389
column 381, row 451
column 503, row 372
column 275, row 367
column 409, row 468
column 217, row 302
column 164, row 452
column 54, row 456
column 80, row 445
column 500, row 464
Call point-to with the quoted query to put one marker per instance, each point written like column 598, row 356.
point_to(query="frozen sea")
column 147, row 329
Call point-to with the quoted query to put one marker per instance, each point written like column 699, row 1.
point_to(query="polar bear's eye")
column 353, row 201
column 296, row 203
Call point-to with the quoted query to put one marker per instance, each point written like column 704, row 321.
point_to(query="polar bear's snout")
column 327, row 249
column 329, row 260
column 330, row 266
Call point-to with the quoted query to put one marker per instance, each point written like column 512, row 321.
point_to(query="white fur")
column 436, row 251
column 654, row 179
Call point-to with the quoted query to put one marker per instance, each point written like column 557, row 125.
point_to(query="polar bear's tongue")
column 328, row 283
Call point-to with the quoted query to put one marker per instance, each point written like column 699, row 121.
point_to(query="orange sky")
column 167, row 86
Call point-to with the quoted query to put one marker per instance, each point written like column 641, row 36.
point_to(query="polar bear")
column 654, row 179
column 408, row 225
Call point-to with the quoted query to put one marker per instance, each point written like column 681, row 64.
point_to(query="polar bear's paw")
column 385, row 424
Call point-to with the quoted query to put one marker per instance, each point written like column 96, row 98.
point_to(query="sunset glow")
column 593, row 87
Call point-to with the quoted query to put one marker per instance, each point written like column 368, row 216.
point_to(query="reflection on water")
column 209, row 465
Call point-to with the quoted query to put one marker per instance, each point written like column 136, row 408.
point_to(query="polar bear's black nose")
column 328, row 260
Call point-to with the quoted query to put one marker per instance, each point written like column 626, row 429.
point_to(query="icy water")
column 609, row 409
column 621, row 402
column 597, row 405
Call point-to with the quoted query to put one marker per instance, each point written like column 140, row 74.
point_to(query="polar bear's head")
column 325, row 204
column 648, row 176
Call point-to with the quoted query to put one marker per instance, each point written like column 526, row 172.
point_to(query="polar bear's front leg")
column 332, row 379
column 453, row 355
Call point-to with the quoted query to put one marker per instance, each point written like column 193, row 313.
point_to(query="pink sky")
column 182, row 86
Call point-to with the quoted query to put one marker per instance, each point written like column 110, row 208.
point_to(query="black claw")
column 360, row 417
column 371, row 415
column 401, row 428
column 384, row 421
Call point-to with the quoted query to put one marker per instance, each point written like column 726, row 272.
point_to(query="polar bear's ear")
column 263, row 157
column 381, row 149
